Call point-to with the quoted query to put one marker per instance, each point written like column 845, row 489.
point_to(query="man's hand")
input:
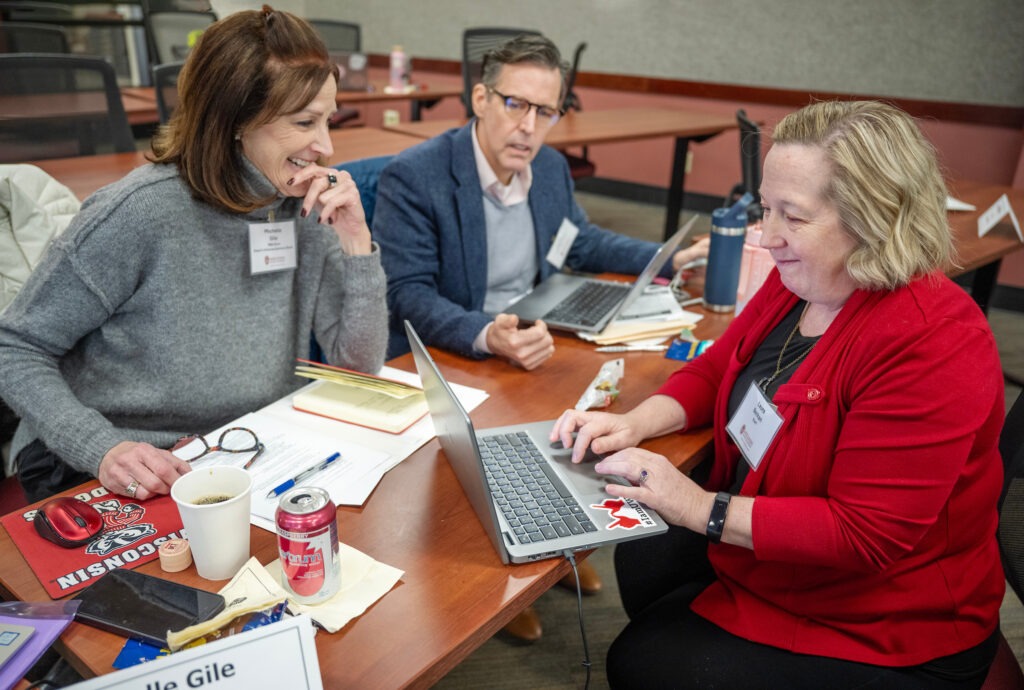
column 524, row 347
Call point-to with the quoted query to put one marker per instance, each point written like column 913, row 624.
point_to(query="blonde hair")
column 885, row 183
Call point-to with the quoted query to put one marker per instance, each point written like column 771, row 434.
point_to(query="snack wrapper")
column 605, row 386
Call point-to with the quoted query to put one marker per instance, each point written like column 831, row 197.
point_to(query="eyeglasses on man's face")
column 234, row 440
column 517, row 108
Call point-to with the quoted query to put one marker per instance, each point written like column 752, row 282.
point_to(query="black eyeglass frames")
column 517, row 108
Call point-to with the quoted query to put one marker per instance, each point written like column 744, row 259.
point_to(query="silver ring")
column 132, row 487
column 643, row 476
column 332, row 180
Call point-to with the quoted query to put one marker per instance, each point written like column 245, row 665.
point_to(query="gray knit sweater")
column 143, row 322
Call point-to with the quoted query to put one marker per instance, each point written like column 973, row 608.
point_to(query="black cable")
column 42, row 684
column 579, row 606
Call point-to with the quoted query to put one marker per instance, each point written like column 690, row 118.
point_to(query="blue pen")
column 319, row 467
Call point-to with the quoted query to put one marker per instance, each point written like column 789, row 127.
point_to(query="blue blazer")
column 429, row 223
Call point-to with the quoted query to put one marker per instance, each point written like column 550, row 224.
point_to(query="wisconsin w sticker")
column 626, row 513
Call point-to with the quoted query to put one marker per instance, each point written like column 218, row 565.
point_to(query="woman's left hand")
column 659, row 484
column 333, row 196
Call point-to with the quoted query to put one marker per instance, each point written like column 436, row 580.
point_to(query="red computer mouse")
column 68, row 522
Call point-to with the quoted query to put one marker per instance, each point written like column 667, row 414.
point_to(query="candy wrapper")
column 605, row 386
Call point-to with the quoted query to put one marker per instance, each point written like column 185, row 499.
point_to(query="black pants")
column 666, row 645
column 42, row 473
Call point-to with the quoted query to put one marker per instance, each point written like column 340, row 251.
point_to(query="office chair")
column 24, row 37
column 170, row 32
column 1005, row 673
column 750, row 162
column 165, row 82
column 72, row 107
column 340, row 37
column 579, row 166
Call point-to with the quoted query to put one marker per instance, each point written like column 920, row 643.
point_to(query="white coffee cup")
column 217, row 530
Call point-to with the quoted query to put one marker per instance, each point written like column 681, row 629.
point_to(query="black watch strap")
column 716, row 523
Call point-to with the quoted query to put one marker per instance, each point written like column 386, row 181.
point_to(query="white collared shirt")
column 516, row 191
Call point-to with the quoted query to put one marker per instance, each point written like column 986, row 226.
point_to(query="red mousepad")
column 134, row 530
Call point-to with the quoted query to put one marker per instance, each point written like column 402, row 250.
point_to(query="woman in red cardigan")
column 844, row 535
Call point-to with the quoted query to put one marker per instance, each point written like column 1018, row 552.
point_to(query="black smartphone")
column 143, row 606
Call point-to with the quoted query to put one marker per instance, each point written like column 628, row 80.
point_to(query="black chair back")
column 171, row 32
column 1011, row 502
column 25, row 37
column 60, row 105
column 165, row 82
column 337, row 35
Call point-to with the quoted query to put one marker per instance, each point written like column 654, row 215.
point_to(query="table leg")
column 675, row 188
column 984, row 283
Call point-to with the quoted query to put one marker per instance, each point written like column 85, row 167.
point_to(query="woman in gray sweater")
column 180, row 296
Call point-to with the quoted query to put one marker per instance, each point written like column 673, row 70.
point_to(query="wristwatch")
column 716, row 522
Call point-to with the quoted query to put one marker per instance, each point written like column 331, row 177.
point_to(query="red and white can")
column 307, row 541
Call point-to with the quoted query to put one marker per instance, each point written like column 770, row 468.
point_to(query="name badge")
column 271, row 247
column 563, row 243
column 754, row 425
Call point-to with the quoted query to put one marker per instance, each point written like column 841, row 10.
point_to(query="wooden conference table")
column 455, row 593
column 592, row 127
column 85, row 174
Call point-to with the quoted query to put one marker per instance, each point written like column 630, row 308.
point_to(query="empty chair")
column 344, row 37
column 172, row 33
column 165, row 81
column 339, row 35
column 750, row 159
column 52, row 106
column 24, row 37
column 475, row 44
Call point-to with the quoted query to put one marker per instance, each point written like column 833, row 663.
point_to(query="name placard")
column 995, row 213
column 280, row 655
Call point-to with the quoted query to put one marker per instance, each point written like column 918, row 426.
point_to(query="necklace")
column 765, row 383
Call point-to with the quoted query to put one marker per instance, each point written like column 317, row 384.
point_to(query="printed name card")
column 999, row 210
column 280, row 655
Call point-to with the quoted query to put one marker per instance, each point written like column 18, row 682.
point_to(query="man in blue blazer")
column 467, row 221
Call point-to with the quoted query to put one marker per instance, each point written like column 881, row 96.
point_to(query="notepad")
column 357, row 398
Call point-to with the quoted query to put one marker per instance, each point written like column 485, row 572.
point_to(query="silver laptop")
column 576, row 303
column 353, row 70
column 512, row 475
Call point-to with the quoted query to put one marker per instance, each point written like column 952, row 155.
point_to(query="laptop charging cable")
column 569, row 556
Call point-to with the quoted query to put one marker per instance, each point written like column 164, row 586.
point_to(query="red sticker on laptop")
column 626, row 513
column 133, row 531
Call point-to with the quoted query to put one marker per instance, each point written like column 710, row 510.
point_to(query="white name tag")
column 279, row 655
column 271, row 247
column 563, row 243
column 754, row 425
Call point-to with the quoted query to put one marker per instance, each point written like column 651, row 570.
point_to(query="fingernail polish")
column 302, row 213
column 289, row 182
column 319, row 219
column 330, row 221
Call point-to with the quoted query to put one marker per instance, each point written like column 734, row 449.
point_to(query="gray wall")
column 969, row 51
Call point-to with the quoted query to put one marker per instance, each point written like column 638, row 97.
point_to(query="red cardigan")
column 875, row 518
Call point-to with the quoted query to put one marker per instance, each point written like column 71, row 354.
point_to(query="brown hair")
column 886, row 183
column 524, row 49
column 245, row 71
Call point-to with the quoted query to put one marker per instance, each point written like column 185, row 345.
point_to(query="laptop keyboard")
column 535, row 502
column 587, row 304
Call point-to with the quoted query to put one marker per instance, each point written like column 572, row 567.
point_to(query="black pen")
column 308, row 472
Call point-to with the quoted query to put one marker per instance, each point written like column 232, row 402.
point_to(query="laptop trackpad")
column 580, row 475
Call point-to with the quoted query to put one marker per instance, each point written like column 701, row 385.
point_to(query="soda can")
column 307, row 541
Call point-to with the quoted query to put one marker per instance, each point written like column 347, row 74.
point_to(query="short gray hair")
column 524, row 48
